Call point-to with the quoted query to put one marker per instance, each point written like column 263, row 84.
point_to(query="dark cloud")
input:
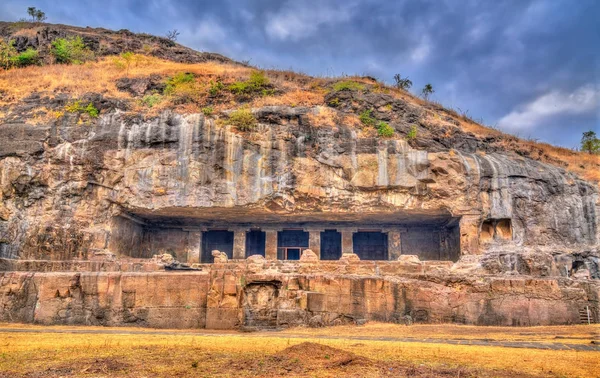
column 530, row 67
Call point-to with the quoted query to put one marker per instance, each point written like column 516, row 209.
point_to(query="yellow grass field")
column 272, row 354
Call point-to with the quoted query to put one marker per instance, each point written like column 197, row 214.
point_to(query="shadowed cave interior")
column 370, row 236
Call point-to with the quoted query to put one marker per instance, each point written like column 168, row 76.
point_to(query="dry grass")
column 323, row 116
column 267, row 354
column 576, row 334
column 292, row 98
column 99, row 77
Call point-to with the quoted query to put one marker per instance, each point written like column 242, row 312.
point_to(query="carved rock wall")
column 224, row 298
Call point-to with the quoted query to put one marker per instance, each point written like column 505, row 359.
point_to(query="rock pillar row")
column 271, row 244
column 239, row 243
column 347, row 242
column 469, row 234
column 314, row 241
column 394, row 243
column 194, row 246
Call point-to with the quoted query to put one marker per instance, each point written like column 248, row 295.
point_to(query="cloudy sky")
column 531, row 68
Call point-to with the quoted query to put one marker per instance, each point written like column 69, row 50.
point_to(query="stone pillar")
column 194, row 244
column 271, row 244
column 314, row 241
column 394, row 244
column 347, row 242
column 239, row 244
column 469, row 234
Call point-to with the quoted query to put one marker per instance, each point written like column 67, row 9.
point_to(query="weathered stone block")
column 222, row 318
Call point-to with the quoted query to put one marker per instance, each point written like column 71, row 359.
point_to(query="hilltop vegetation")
column 144, row 75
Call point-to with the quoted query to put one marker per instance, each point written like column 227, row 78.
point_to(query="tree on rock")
column 172, row 35
column 590, row 143
column 403, row 83
column 427, row 90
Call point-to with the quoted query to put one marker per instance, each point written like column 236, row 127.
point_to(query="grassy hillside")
column 146, row 75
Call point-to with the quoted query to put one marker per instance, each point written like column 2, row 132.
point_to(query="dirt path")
column 473, row 342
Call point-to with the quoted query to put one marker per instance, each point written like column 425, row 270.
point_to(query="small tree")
column 40, row 16
column 590, row 143
column 172, row 35
column 427, row 90
column 402, row 83
column 128, row 57
column 32, row 11
column 36, row 14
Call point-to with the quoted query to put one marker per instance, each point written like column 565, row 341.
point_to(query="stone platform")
column 274, row 294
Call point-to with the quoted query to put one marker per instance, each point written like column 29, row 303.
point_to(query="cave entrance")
column 291, row 243
column 331, row 245
column 370, row 245
column 216, row 239
column 255, row 243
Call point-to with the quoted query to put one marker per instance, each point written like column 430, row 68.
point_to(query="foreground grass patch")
column 272, row 354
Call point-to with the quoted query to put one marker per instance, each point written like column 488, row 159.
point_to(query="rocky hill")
column 140, row 147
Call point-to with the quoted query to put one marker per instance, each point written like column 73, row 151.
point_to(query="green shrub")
column 348, row 84
column 215, row 88
column 8, row 52
column 258, row 80
column 384, row 130
column 208, row 110
column 182, row 88
column 178, row 80
column 77, row 107
column 366, row 118
column 151, row 100
column 28, row 57
column 243, row 119
column 412, row 134
column 91, row 110
column 256, row 83
column 70, row 50
column 238, row 87
column 334, row 102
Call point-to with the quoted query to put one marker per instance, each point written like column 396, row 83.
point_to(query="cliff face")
column 63, row 184
column 86, row 201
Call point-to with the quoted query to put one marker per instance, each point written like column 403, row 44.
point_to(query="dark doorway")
column 219, row 240
column 331, row 245
column 370, row 245
column 291, row 243
column 255, row 243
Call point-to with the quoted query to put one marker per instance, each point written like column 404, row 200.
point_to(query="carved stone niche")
column 260, row 304
column 495, row 230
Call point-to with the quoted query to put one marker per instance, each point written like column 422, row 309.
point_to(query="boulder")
column 164, row 258
column 409, row 258
column 309, row 256
column 255, row 263
column 219, row 257
column 315, row 322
